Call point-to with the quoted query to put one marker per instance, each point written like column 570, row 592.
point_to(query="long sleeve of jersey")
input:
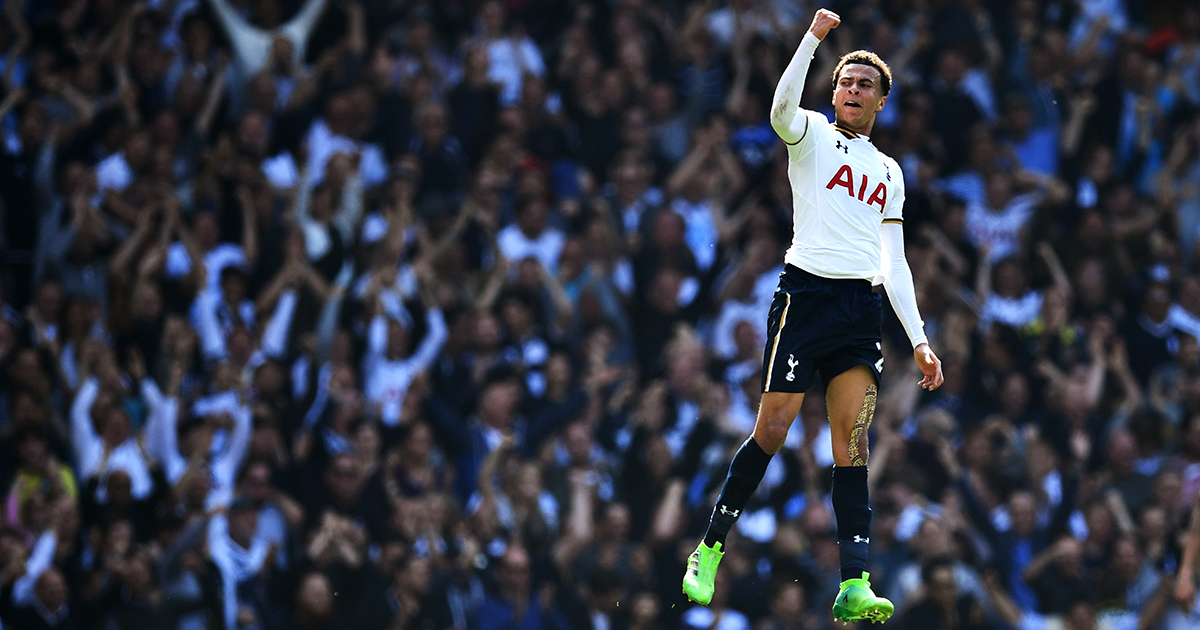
column 786, row 118
column 898, row 280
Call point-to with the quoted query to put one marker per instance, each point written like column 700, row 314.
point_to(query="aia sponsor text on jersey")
column 857, row 188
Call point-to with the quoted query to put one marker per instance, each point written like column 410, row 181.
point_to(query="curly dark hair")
column 866, row 58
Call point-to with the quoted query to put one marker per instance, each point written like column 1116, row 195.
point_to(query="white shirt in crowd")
column 508, row 61
column 252, row 45
column 347, row 215
column 387, row 380
column 23, row 589
column 1015, row 312
column 700, row 233
column 766, row 19
column 323, row 144
column 113, row 173
column 213, row 320
column 179, row 263
column 733, row 313
column 1000, row 230
column 280, row 170
column 89, row 447
column 967, row 186
column 40, row 559
column 700, row 617
column 516, row 246
column 228, row 448
column 235, row 563
column 1183, row 320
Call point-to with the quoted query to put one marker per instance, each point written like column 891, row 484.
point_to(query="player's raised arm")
column 785, row 108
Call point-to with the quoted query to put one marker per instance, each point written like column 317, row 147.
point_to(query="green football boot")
column 702, row 573
column 856, row 602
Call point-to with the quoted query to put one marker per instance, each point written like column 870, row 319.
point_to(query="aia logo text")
column 857, row 188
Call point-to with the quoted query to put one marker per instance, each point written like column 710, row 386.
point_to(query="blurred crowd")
column 391, row 314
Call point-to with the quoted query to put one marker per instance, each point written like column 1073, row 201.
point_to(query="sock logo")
column 861, row 539
column 730, row 513
column 792, row 363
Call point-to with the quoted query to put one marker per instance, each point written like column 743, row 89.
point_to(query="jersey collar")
column 850, row 135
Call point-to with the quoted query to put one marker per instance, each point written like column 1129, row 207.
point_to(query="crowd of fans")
column 450, row 314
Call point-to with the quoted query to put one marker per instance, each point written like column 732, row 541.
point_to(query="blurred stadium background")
column 394, row 314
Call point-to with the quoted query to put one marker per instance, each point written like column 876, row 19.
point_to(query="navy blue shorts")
column 821, row 325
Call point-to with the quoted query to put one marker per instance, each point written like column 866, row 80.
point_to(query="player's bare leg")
column 776, row 413
column 851, row 398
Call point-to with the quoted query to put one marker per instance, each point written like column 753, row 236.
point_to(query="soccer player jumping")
column 847, row 200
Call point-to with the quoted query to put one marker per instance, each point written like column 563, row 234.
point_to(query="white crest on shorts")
column 792, row 363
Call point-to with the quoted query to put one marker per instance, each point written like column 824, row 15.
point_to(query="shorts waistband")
column 848, row 283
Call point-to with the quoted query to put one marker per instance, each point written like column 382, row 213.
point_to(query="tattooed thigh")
column 859, row 452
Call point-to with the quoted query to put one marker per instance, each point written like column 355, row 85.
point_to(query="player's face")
column 858, row 95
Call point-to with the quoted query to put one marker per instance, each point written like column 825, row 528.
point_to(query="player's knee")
column 771, row 435
column 775, row 417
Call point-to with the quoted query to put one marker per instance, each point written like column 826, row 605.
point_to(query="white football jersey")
column 843, row 190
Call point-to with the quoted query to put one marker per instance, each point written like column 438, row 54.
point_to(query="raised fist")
column 823, row 22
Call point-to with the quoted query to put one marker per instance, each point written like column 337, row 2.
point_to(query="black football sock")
column 745, row 472
column 852, row 510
